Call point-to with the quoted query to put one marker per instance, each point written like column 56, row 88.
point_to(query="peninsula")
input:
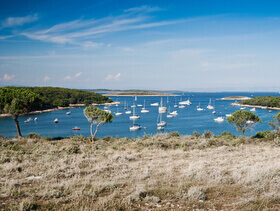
column 236, row 98
column 138, row 93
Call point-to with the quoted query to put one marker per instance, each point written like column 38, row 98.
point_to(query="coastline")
column 58, row 108
column 132, row 95
column 255, row 106
column 236, row 98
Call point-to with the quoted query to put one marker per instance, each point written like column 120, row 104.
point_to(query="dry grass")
column 163, row 172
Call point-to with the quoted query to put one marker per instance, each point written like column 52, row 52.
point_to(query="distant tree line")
column 50, row 97
column 263, row 101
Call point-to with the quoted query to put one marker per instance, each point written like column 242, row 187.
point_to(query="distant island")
column 138, row 93
column 236, row 98
column 264, row 102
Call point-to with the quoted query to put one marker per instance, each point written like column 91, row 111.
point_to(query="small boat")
column 199, row 108
column 249, row 122
column 144, row 110
column 135, row 116
column 154, row 104
column 213, row 112
column 219, row 119
column 169, row 116
column 209, row 105
column 133, row 106
column 35, row 119
column 128, row 112
column 182, row 106
column 28, row 120
column 160, row 128
column 76, row 128
column 135, row 127
column 139, row 105
column 242, row 108
column 174, row 113
column 269, row 111
column 68, row 113
column 55, row 120
column 263, row 107
column 253, row 109
column 161, row 123
column 108, row 111
column 118, row 113
column 161, row 109
column 228, row 115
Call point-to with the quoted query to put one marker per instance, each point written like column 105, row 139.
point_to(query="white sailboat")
column 219, row 119
column 171, row 114
column 161, row 123
column 144, row 110
column 175, row 106
column 135, row 116
column 68, row 113
column 187, row 102
column 253, row 109
column 162, row 109
column 118, row 113
column 154, row 104
column 199, row 108
column 209, row 105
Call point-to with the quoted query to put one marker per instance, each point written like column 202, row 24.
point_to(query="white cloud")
column 19, row 21
column 5, row 37
column 113, row 78
column 8, row 77
column 47, row 78
column 78, row 74
column 143, row 8
column 68, row 77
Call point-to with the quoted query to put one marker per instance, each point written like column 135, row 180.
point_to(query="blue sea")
column 186, row 122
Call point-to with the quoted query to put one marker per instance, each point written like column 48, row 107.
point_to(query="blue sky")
column 169, row 45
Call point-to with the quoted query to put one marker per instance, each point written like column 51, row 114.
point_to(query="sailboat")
column 199, row 108
column 209, row 105
column 134, row 126
column 175, row 106
column 162, row 109
column 144, row 110
column 187, row 102
column 135, row 116
column 118, row 113
column 161, row 123
column 171, row 114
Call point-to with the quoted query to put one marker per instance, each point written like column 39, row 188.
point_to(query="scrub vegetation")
column 164, row 172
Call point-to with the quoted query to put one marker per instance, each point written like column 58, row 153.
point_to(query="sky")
column 184, row 45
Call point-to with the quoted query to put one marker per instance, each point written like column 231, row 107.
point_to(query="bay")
column 187, row 121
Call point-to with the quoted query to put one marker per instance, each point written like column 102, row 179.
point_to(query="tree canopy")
column 243, row 120
column 98, row 116
column 263, row 101
column 275, row 122
column 18, row 101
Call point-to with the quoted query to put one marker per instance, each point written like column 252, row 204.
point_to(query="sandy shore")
column 236, row 98
column 253, row 106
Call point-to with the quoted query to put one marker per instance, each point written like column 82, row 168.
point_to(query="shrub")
column 107, row 138
column 208, row 134
column 196, row 134
column 74, row 149
column 174, row 134
column 33, row 135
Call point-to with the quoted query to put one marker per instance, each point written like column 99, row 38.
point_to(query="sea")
column 186, row 122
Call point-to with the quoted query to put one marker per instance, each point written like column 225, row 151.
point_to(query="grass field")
column 162, row 172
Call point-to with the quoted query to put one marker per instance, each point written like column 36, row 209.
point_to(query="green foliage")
column 74, row 149
column 208, row 134
column 33, row 136
column 241, row 120
column 265, row 134
column 18, row 101
column 263, row 101
column 49, row 97
column 174, row 134
column 275, row 122
column 96, row 114
column 196, row 134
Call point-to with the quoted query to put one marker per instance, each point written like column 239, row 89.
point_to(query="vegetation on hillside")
column 164, row 172
column 51, row 97
column 263, row 101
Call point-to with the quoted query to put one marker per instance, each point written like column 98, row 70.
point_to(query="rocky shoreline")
column 254, row 106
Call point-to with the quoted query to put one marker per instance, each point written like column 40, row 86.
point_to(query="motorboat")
column 253, row 109
column 68, row 113
column 135, row 127
column 249, row 122
column 35, row 119
column 219, row 119
column 128, row 112
column 154, row 104
column 139, row 105
column 108, row 111
column 213, row 112
column 28, row 120
column 160, row 127
column 55, row 120
column 228, row 115
column 118, row 113
column 182, row 106
column 242, row 108
column 76, row 128
column 269, row 111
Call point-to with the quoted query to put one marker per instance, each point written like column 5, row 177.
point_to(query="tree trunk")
column 93, row 136
column 243, row 133
column 91, row 130
column 17, row 126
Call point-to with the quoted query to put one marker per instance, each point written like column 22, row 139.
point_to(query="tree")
column 276, row 121
column 96, row 115
column 18, row 101
column 243, row 120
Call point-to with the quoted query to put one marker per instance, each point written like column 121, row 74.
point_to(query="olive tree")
column 97, row 116
column 275, row 122
column 243, row 120
column 17, row 102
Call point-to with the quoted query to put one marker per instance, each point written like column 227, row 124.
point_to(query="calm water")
column 187, row 121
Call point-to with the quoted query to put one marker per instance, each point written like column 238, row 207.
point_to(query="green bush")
column 174, row 134
column 74, row 149
column 208, row 134
column 33, row 135
column 196, row 134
